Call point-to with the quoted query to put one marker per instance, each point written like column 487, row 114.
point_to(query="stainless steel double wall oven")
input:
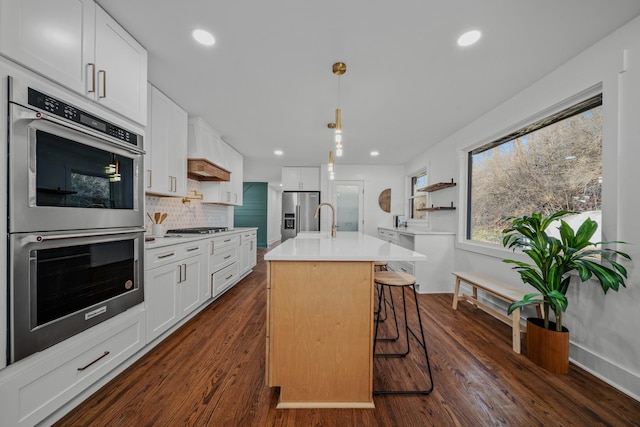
column 76, row 236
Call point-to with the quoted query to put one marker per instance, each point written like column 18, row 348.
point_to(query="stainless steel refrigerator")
column 298, row 208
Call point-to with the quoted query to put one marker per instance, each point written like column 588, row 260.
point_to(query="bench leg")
column 455, row 293
column 515, row 330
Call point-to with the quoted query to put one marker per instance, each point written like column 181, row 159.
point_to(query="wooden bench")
column 498, row 289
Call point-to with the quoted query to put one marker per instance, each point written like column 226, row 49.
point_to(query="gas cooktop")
column 198, row 230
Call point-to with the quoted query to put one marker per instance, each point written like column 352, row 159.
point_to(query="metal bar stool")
column 389, row 280
column 380, row 266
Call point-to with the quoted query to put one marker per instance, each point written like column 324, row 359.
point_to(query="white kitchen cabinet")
column 165, row 146
column 205, row 143
column 434, row 274
column 173, row 279
column 231, row 191
column 34, row 388
column 224, row 266
column 161, row 296
column 248, row 252
column 300, row 179
column 80, row 47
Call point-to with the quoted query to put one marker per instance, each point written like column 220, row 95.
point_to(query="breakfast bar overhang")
column 320, row 328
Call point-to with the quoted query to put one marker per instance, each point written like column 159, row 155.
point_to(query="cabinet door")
column 62, row 49
column 253, row 252
column 121, row 69
column 245, row 249
column 291, row 179
column 177, row 149
column 192, row 274
column 158, row 179
column 161, row 299
column 310, row 179
column 237, row 178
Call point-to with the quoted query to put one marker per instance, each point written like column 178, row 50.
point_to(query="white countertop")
column 347, row 246
column 415, row 231
column 175, row 239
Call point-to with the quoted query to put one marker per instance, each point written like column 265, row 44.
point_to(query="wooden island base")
column 320, row 333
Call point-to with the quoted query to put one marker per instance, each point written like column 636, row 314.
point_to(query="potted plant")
column 553, row 261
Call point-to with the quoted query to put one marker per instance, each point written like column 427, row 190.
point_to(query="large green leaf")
column 553, row 259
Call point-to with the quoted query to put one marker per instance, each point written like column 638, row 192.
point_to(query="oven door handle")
column 26, row 114
column 37, row 238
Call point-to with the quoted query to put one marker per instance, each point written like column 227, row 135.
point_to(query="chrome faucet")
column 333, row 217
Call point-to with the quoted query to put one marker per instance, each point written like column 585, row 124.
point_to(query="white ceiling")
column 267, row 82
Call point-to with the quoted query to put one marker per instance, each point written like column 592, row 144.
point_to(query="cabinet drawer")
column 388, row 235
column 42, row 384
column 169, row 254
column 192, row 249
column 162, row 256
column 248, row 236
column 224, row 278
column 224, row 241
column 223, row 258
column 403, row 266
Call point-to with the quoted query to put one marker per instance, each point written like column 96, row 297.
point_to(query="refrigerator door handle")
column 297, row 219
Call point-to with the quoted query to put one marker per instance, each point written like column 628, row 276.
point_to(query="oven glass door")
column 74, row 175
column 62, row 284
column 64, row 178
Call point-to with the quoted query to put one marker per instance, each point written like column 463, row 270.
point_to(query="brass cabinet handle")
column 227, row 257
column 195, row 248
column 104, row 83
column 93, row 77
column 228, row 277
column 106, row 353
column 166, row 255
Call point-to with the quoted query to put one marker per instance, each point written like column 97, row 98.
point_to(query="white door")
column 349, row 201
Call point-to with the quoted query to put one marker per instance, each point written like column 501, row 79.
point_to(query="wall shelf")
column 438, row 208
column 437, row 186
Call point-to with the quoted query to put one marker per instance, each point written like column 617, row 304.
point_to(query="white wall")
column 274, row 214
column 604, row 336
column 375, row 180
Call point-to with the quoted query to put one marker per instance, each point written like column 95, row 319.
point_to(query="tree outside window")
column 418, row 200
column 551, row 165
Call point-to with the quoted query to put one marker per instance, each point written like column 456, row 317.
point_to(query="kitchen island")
column 320, row 302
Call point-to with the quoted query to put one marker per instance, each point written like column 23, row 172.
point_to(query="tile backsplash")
column 193, row 214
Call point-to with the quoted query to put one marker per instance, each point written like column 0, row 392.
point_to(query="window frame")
column 412, row 196
column 464, row 196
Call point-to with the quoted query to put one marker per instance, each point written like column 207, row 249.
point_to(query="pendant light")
column 339, row 68
column 331, row 168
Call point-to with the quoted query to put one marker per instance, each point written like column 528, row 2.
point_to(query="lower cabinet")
column 179, row 278
column 34, row 388
column 434, row 274
column 174, row 283
column 224, row 267
column 248, row 252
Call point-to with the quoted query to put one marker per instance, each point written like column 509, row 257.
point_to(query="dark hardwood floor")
column 211, row 373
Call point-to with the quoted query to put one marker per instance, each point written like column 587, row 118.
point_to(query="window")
column 552, row 164
column 418, row 199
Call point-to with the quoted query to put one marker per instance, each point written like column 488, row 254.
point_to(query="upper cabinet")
column 80, row 47
column 165, row 147
column 301, row 179
column 215, row 163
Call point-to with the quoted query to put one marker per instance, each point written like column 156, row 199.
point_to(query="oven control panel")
column 69, row 112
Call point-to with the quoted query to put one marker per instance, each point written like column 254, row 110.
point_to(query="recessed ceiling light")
column 374, row 153
column 469, row 38
column 204, row 37
column 278, row 152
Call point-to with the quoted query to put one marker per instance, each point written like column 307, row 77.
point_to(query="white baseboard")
column 616, row 376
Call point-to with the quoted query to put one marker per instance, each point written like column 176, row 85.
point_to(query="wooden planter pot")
column 546, row 347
